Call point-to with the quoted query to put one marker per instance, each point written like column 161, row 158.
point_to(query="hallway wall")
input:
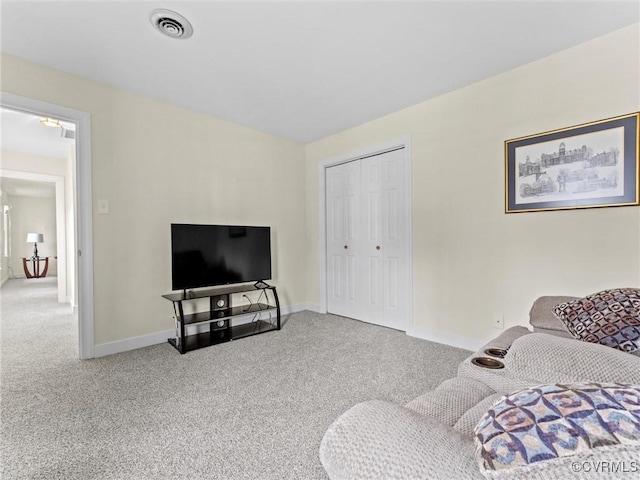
column 38, row 215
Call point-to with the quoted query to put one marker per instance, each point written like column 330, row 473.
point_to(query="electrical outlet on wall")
column 103, row 206
column 498, row 321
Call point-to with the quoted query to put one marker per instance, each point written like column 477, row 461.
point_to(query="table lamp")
column 35, row 238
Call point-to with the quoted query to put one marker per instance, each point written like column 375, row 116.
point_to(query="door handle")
column 346, row 247
column 377, row 247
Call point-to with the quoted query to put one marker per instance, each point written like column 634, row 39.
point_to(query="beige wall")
column 23, row 209
column 46, row 169
column 23, row 162
column 32, row 214
column 471, row 260
column 156, row 164
column 4, row 260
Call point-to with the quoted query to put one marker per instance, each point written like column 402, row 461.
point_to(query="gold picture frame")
column 585, row 166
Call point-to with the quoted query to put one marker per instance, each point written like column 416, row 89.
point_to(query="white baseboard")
column 119, row 346
column 74, row 307
column 132, row 343
column 300, row 307
column 459, row 341
column 312, row 307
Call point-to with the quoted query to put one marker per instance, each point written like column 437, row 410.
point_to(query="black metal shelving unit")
column 221, row 313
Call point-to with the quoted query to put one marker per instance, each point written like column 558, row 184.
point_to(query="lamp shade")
column 35, row 237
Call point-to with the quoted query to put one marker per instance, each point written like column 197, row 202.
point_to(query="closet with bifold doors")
column 367, row 225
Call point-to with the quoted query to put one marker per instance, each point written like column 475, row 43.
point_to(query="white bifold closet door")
column 367, row 248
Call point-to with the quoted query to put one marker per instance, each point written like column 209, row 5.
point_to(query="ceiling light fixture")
column 50, row 122
column 171, row 24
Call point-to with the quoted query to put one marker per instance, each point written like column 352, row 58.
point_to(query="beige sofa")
column 434, row 436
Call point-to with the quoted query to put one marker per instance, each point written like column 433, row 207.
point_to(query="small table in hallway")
column 35, row 266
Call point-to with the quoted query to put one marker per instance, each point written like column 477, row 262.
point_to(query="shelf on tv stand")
column 220, row 318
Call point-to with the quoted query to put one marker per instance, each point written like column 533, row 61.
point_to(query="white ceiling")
column 23, row 133
column 302, row 70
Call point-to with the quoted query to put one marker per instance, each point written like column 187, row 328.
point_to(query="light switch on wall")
column 103, row 206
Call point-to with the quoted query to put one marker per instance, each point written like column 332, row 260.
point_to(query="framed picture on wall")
column 590, row 165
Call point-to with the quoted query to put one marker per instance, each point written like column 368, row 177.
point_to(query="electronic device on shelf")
column 232, row 262
column 211, row 255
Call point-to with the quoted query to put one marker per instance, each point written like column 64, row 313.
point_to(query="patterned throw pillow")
column 610, row 317
column 553, row 421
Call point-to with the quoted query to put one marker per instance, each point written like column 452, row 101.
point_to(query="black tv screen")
column 210, row 255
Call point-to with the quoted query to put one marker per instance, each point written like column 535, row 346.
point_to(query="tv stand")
column 218, row 318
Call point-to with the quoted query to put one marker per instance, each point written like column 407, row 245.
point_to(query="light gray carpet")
column 255, row 408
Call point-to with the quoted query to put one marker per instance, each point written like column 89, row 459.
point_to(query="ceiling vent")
column 171, row 24
column 66, row 133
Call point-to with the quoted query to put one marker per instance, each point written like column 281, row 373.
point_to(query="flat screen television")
column 211, row 255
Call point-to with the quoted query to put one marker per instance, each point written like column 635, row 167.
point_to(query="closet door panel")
column 395, row 242
column 343, row 231
column 373, row 282
column 367, row 244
